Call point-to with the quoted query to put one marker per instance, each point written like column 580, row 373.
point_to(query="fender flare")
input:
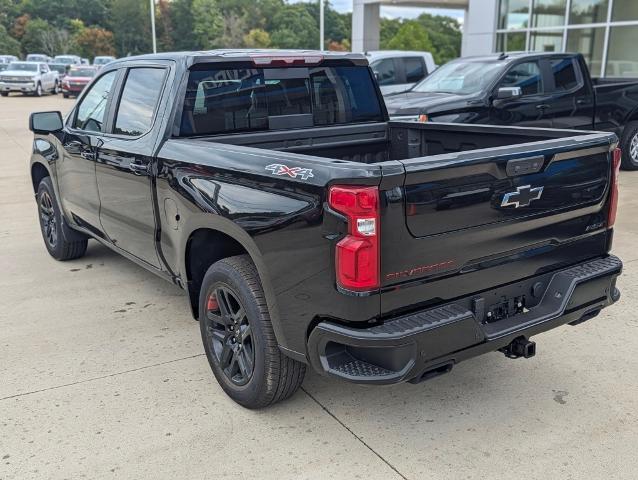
column 208, row 221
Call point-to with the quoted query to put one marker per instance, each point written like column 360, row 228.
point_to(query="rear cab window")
column 228, row 100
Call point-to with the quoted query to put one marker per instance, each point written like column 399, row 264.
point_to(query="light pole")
column 321, row 45
column 153, row 25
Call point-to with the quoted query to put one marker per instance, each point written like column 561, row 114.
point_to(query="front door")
column 125, row 166
column 527, row 110
column 76, row 168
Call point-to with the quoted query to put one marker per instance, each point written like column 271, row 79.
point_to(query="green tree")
column 8, row 44
column 131, row 26
column 295, row 27
column 257, row 38
column 411, row 36
column 94, row 41
column 445, row 35
column 181, row 17
column 208, row 23
column 387, row 30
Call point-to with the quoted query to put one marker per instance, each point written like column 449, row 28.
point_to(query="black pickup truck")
column 552, row 90
column 308, row 229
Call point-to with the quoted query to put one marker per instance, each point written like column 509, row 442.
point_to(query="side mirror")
column 45, row 122
column 505, row 93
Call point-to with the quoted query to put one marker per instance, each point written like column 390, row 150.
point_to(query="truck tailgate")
column 470, row 221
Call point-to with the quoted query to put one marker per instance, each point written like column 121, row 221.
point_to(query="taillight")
column 613, row 194
column 357, row 254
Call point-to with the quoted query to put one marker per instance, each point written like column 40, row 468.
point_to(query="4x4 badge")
column 294, row 172
column 522, row 197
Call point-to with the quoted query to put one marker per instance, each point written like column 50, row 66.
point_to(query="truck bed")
column 379, row 142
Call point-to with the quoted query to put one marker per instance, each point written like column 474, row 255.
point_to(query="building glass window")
column 588, row 11
column 622, row 58
column 514, row 14
column 589, row 42
column 511, row 42
column 547, row 41
column 624, row 10
column 548, row 13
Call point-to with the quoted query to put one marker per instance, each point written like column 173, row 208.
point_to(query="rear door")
column 125, row 168
column 527, row 110
column 570, row 96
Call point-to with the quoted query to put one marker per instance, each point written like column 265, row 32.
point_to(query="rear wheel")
column 38, row 90
column 65, row 95
column 55, row 232
column 629, row 146
column 56, row 88
column 4, row 94
column 239, row 339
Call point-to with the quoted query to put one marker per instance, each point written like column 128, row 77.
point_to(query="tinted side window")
column 414, row 69
column 138, row 101
column 564, row 74
column 526, row 75
column 385, row 72
column 91, row 110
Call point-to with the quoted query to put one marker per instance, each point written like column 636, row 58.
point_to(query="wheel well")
column 205, row 247
column 38, row 172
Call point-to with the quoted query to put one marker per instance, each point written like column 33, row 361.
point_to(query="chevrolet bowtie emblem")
column 522, row 197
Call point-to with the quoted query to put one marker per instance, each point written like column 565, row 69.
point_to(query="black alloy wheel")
column 229, row 334
column 48, row 220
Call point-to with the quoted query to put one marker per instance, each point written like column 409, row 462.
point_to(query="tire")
column 38, row 90
column 4, row 94
column 236, row 328
column 56, row 89
column 629, row 138
column 61, row 242
column 65, row 95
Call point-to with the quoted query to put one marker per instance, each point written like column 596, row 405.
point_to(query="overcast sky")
column 396, row 12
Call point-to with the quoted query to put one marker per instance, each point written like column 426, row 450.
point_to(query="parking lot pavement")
column 102, row 376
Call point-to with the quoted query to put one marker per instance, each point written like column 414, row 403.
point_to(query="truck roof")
column 239, row 55
column 517, row 55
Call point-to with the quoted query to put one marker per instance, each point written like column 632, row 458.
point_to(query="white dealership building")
column 604, row 31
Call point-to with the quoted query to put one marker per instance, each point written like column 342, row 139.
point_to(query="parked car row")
column 66, row 59
column 37, row 78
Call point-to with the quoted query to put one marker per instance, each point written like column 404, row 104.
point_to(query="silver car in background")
column 29, row 78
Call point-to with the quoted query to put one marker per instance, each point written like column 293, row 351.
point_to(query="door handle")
column 88, row 156
column 581, row 101
column 542, row 106
column 138, row 168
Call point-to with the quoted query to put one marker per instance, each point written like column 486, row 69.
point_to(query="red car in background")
column 77, row 78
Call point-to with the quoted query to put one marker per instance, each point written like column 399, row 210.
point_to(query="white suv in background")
column 398, row 71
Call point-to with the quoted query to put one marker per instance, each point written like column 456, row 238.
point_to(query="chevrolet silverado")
column 309, row 230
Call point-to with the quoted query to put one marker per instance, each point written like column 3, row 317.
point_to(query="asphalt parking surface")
column 102, row 375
